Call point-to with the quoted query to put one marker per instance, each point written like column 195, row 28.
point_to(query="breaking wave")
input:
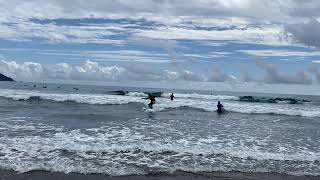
column 121, row 151
column 197, row 101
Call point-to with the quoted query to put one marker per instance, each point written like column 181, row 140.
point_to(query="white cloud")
column 279, row 53
column 90, row 70
column 268, row 35
column 218, row 76
column 235, row 20
column 316, row 73
column 94, row 71
column 122, row 55
column 273, row 76
column 25, row 30
column 100, row 55
column 170, row 46
column 127, row 55
column 26, row 69
column 209, row 55
column 101, row 8
column 214, row 44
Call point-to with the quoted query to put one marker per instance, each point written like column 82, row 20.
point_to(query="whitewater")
column 194, row 100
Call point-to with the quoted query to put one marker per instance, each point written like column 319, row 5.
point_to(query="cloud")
column 26, row 70
column 218, row 76
column 274, row 77
column 271, row 34
column 279, row 53
column 98, row 55
column 121, row 55
column 35, row 71
column 90, row 70
column 304, row 9
column 316, row 61
column 234, row 20
column 305, row 33
column 316, row 73
column 146, row 8
column 247, row 77
column 170, row 46
column 26, row 30
column 127, row 55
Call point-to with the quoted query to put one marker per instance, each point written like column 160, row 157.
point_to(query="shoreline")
column 40, row 175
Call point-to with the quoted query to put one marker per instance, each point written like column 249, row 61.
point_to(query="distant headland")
column 5, row 78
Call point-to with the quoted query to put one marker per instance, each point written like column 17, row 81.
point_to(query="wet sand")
column 43, row 175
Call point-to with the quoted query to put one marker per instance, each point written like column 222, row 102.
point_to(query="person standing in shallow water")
column 219, row 107
column 152, row 100
column 171, row 97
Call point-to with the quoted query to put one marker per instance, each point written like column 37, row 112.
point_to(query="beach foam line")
column 120, row 151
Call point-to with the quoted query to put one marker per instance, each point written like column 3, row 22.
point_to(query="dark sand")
column 43, row 175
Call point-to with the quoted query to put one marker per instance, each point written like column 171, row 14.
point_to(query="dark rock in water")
column 34, row 98
column 5, row 78
column 272, row 100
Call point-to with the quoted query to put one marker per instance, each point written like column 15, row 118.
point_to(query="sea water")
column 110, row 130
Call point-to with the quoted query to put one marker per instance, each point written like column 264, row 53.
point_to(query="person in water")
column 171, row 97
column 220, row 107
column 152, row 100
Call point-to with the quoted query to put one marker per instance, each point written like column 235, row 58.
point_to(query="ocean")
column 111, row 131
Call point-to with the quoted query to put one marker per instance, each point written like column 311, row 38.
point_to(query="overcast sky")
column 233, row 42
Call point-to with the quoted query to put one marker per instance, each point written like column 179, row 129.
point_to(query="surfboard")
column 148, row 110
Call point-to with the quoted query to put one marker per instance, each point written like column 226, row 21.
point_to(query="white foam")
column 242, row 107
column 205, row 102
column 202, row 96
column 136, row 94
column 79, row 98
column 112, row 151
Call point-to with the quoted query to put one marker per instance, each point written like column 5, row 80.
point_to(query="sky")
column 236, row 45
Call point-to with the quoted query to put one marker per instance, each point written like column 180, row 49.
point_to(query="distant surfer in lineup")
column 171, row 97
column 220, row 107
column 152, row 100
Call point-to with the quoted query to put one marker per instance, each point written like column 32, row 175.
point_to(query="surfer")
column 220, row 107
column 171, row 97
column 152, row 100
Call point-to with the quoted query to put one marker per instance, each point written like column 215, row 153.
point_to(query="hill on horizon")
column 5, row 78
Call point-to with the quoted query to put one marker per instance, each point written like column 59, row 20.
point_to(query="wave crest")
column 197, row 101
